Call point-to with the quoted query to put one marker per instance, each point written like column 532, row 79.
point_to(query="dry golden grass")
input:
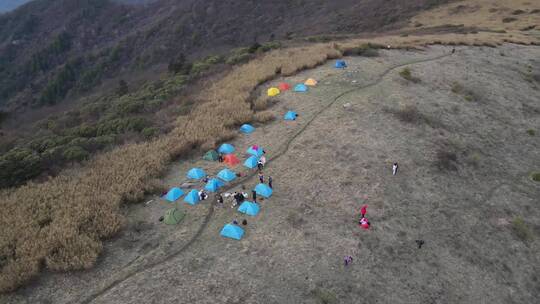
column 59, row 224
column 483, row 14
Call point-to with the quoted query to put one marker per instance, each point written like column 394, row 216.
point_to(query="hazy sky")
column 7, row 5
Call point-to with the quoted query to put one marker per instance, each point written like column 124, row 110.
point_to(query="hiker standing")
column 254, row 194
column 348, row 260
column 394, row 168
column 363, row 211
column 220, row 200
column 453, row 50
column 220, row 158
column 259, row 165
column 270, row 182
column 261, row 178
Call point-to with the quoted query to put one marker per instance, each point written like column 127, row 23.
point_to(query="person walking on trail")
column 348, row 260
column 270, row 182
column 420, row 243
column 260, row 165
column 394, row 168
column 363, row 211
column 453, row 50
column 244, row 222
column 219, row 200
column 254, row 194
column 261, row 178
column 263, row 160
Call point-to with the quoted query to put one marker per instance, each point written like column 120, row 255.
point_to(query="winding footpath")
column 90, row 298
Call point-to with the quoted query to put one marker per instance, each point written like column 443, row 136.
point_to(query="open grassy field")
column 464, row 187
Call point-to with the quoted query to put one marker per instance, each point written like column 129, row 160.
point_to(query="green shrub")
column 75, row 153
column 407, row 74
column 531, row 132
column 238, row 59
column 18, row 165
column 366, row 50
column 149, row 132
column 271, row 45
column 535, row 176
column 521, row 229
column 324, row 296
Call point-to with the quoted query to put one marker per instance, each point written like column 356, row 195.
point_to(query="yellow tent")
column 273, row 92
column 311, row 82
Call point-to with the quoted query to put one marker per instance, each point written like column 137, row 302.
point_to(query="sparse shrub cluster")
column 521, row 229
column 535, row 176
column 365, row 50
column 467, row 94
column 407, row 75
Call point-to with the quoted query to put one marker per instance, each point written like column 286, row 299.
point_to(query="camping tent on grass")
column 226, row 149
column 255, row 150
column 251, row 162
column 232, row 231
column 290, row 115
column 340, row 64
column 213, row 185
column 249, row 208
column 226, row 175
column 263, row 190
column 231, row 160
column 247, row 128
column 173, row 194
column 284, row 86
column 196, row 173
column 192, row 197
column 300, row 88
column 211, row 155
column 311, row 82
column 173, row 216
column 273, row 92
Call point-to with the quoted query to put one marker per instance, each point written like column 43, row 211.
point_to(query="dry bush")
column 59, row 224
column 446, row 160
column 521, row 229
column 265, row 116
column 407, row 74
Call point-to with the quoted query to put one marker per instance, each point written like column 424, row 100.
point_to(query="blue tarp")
column 226, row 149
column 227, row 175
column 192, row 197
column 247, row 128
column 300, row 87
column 290, row 115
column 340, row 64
column 263, row 190
column 249, row 208
column 196, row 173
column 213, row 185
column 232, row 231
column 254, row 152
column 251, row 162
column 174, row 194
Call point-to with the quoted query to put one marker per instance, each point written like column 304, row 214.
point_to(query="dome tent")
column 196, row 173
column 226, row 175
column 232, row 231
column 263, row 190
column 311, row 82
column 284, row 86
column 249, row 208
column 211, row 155
column 213, row 185
column 192, row 197
column 255, row 150
column 231, row 160
column 251, row 162
column 173, row 216
column 340, row 64
column 226, row 149
column 300, row 88
column 273, row 92
column 247, row 128
column 173, row 194
column 290, row 115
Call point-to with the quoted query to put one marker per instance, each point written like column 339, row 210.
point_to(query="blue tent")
column 196, row 173
column 263, row 190
column 226, row 149
column 227, row 175
column 174, row 194
column 213, row 185
column 192, row 197
column 246, row 128
column 251, row 162
column 300, row 88
column 249, row 208
column 254, row 152
column 340, row 64
column 232, row 231
column 291, row 115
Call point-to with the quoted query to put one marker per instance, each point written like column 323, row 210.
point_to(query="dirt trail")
column 276, row 156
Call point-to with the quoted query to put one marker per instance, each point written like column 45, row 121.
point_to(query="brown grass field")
column 60, row 224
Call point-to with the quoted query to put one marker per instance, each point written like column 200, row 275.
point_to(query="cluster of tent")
column 301, row 87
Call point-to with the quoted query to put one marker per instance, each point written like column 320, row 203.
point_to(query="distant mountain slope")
column 53, row 49
column 8, row 5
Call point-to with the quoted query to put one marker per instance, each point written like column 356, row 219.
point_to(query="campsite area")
column 457, row 124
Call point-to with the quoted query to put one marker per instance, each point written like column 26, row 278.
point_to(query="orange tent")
column 231, row 160
column 284, row 86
